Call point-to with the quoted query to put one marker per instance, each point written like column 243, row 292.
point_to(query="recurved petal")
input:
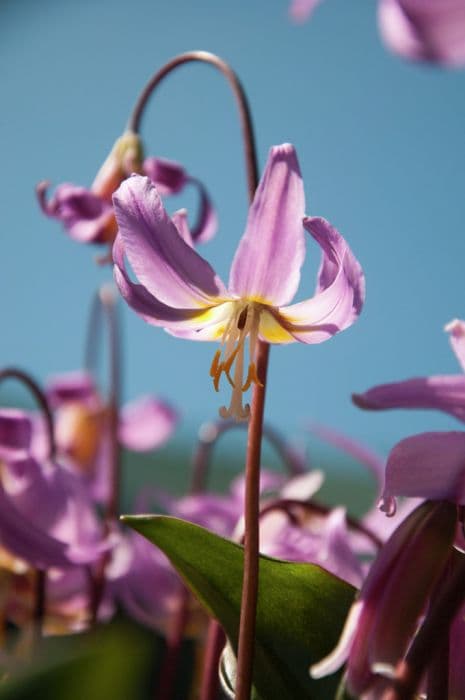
column 429, row 465
column 168, row 176
column 442, row 393
column 340, row 289
column 162, row 261
column 189, row 321
column 267, row 263
column 206, row 224
column 146, row 424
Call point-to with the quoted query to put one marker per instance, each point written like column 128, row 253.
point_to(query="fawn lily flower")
column 179, row 291
column 87, row 214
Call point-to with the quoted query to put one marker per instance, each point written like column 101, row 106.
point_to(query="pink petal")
column 340, row 290
column 146, row 424
column 426, row 30
column 429, row 465
column 162, row 261
column 189, row 320
column 442, row 393
column 267, row 263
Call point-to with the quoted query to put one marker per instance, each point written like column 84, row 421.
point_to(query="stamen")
column 241, row 321
column 215, row 365
column 252, row 377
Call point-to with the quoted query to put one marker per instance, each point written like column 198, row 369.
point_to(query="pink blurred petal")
column 146, row 424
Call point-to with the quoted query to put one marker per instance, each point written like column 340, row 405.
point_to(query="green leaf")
column 301, row 607
column 108, row 663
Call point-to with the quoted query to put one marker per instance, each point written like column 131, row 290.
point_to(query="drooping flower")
column 82, row 422
column 440, row 392
column 386, row 613
column 179, row 291
column 87, row 214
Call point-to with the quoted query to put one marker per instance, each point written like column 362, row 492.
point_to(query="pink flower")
column 179, row 291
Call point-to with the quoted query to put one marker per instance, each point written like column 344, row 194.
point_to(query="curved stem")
column 213, row 648
column 209, row 435
column 247, row 622
column 38, row 394
column 239, row 95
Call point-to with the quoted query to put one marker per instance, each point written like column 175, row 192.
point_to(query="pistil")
column 243, row 323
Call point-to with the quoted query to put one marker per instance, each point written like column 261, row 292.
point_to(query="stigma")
column 230, row 358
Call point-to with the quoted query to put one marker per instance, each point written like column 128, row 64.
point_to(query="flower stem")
column 246, row 642
column 431, row 636
column 237, row 89
column 165, row 686
column 213, row 648
column 40, row 578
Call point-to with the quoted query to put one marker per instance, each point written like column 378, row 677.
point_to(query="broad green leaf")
column 301, row 608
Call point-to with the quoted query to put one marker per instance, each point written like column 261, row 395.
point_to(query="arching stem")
column 238, row 92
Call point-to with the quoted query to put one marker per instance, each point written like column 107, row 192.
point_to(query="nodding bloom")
column 82, row 420
column 87, row 214
column 440, row 392
column 179, row 291
column 384, row 618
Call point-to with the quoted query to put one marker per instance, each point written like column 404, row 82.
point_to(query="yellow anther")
column 251, row 377
column 215, row 365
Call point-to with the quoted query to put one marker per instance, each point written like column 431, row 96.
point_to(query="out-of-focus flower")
column 87, row 214
column 179, row 291
column 425, row 30
column 46, row 518
column 384, row 618
column 419, row 30
column 440, row 392
column 82, row 427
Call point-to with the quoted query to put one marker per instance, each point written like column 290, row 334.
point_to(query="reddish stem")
column 213, row 648
column 165, row 686
column 239, row 95
column 247, row 622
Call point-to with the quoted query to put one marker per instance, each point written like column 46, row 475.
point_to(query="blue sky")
column 382, row 152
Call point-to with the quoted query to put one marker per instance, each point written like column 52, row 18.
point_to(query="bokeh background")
column 381, row 146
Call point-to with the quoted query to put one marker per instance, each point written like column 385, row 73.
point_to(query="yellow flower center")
column 243, row 322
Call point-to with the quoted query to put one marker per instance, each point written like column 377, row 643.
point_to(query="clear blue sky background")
column 382, row 149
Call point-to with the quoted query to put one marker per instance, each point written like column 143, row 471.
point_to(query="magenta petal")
column 425, row 30
column 206, row 223
column 429, row 465
column 146, row 424
column 340, row 289
column 168, row 176
column 267, row 263
column 72, row 387
column 15, row 433
column 162, row 261
column 179, row 219
column 442, row 393
column 148, row 306
column 86, row 217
